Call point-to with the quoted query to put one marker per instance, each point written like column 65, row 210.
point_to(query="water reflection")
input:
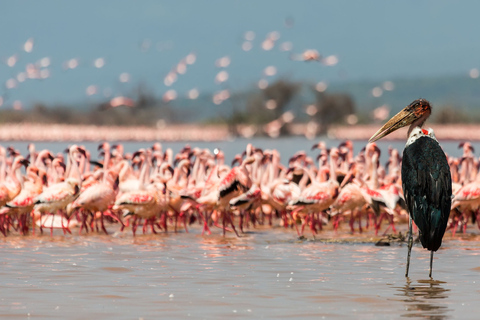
column 422, row 299
column 215, row 247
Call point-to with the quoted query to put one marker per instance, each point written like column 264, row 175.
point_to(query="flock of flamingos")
column 158, row 190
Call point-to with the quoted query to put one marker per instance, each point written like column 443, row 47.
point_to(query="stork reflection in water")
column 426, row 178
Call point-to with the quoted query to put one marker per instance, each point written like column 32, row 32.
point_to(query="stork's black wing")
column 427, row 186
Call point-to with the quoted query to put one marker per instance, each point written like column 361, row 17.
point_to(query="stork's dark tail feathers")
column 431, row 234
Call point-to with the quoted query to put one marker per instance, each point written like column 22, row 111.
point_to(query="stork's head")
column 415, row 113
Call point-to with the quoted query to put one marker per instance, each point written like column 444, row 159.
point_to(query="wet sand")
column 266, row 273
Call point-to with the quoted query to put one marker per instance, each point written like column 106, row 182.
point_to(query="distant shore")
column 468, row 132
column 195, row 132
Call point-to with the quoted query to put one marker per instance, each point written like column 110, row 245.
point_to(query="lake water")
column 267, row 273
column 286, row 146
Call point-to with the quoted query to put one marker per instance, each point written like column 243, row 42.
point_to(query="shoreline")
column 32, row 132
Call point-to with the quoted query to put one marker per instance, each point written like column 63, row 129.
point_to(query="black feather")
column 231, row 188
column 402, row 203
column 239, row 202
column 236, row 185
column 302, row 202
column 427, row 186
column 96, row 163
column 377, row 205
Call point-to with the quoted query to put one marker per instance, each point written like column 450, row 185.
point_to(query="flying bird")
column 426, row 177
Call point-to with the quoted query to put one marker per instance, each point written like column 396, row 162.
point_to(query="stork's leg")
column 431, row 264
column 410, row 243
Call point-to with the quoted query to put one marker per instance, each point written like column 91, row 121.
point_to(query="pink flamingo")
column 99, row 197
column 318, row 196
column 56, row 197
column 467, row 198
column 23, row 203
column 350, row 199
column 11, row 186
column 236, row 182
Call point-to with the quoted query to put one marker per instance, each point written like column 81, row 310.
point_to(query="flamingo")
column 350, row 199
column 56, row 197
column 11, row 186
column 468, row 198
column 145, row 204
column 23, row 203
column 146, row 201
column 236, row 182
column 318, row 196
column 307, row 55
column 99, row 197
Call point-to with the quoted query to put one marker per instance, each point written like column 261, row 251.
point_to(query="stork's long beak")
column 400, row 120
column 417, row 111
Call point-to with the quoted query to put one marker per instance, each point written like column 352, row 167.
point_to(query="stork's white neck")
column 418, row 132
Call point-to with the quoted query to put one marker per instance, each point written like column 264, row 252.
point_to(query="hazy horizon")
column 373, row 40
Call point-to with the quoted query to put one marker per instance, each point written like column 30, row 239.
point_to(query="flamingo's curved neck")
column 74, row 172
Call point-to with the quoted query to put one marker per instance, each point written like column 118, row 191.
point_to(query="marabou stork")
column 426, row 179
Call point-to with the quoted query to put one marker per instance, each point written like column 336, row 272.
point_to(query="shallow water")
column 267, row 273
